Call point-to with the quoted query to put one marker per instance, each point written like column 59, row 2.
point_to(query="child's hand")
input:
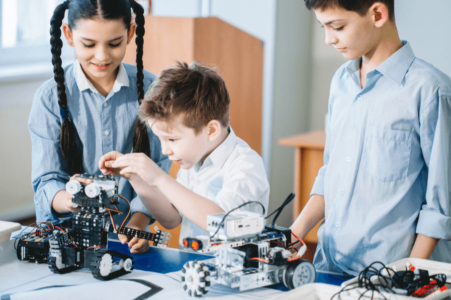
column 106, row 164
column 139, row 164
column 138, row 221
column 68, row 197
column 137, row 245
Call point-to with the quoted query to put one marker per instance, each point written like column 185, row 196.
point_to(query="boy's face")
column 350, row 33
column 180, row 143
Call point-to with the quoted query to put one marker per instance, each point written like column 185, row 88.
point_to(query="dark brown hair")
column 196, row 91
column 359, row 6
column 91, row 9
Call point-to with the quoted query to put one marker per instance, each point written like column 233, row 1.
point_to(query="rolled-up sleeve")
column 434, row 219
column 246, row 181
column 49, row 169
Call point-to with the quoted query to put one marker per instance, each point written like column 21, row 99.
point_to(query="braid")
column 67, row 134
column 141, row 141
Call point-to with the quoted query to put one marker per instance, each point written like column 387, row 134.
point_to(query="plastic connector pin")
column 302, row 250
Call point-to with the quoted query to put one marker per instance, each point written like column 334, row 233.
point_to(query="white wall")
column 16, row 193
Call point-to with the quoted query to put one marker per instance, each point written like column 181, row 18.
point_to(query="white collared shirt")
column 84, row 83
column 230, row 176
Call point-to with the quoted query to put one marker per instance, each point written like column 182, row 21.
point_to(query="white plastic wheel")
column 196, row 278
column 126, row 264
column 106, row 264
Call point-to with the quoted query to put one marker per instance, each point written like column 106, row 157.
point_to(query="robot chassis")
column 80, row 242
column 248, row 255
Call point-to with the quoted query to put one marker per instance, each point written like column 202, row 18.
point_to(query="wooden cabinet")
column 237, row 56
column 308, row 159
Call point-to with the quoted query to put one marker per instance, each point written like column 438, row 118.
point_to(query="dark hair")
column 359, row 6
column 196, row 91
column 91, row 9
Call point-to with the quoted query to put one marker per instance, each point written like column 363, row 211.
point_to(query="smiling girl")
column 90, row 107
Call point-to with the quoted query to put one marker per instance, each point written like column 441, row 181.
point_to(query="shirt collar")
column 395, row 67
column 220, row 155
column 84, row 83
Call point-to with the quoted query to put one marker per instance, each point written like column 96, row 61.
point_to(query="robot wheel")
column 196, row 278
column 298, row 273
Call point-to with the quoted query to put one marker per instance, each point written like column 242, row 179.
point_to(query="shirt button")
column 342, row 192
column 348, row 159
column 105, row 104
column 107, row 132
column 353, row 127
column 360, row 97
column 337, row 224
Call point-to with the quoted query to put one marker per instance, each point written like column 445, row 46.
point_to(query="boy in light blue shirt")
column 384, row 189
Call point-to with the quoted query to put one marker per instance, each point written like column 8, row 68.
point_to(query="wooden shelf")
column 308, row 159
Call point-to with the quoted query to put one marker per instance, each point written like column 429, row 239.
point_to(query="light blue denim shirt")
column 103, row 124
column 387, row 168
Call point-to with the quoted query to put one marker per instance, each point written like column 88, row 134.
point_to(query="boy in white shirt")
column 187, row 107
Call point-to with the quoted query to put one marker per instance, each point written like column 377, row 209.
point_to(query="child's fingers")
column 122, row 238
column 125, row 160
column 120, row 162
column 140, row 247
column 109, row 164
column 81, row 180
column 127, row 170
column 110, row 156
column 133, row 242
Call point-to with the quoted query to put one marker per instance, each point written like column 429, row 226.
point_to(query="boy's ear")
column 214, row 130
column 68, row 34
column 379, row 13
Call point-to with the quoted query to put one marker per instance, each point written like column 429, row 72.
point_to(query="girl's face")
column 99, row 46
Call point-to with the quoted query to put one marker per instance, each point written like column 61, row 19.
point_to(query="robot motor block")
column 81, row 241
column 248, row 255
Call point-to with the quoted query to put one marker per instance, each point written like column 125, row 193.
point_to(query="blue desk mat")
column 164, row 261
column 158, row 260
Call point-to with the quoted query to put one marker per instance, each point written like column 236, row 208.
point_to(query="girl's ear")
column 131, row 32
column 68, row 34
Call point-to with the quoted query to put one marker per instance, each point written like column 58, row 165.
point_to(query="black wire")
column 279, row 210
column 405, row 281
column 282, row 206
column 225, row 216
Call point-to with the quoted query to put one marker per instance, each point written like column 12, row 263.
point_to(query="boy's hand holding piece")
column 128, row 165
column 139, row 164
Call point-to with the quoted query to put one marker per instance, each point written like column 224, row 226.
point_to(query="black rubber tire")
column 288, row 279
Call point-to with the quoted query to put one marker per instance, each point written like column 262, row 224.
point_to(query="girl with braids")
column 90, row 107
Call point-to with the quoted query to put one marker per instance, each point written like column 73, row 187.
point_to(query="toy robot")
column 81, row 241
column 248, row 255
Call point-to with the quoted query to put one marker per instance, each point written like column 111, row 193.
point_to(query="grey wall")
column 426, row 25
column 291, row 97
